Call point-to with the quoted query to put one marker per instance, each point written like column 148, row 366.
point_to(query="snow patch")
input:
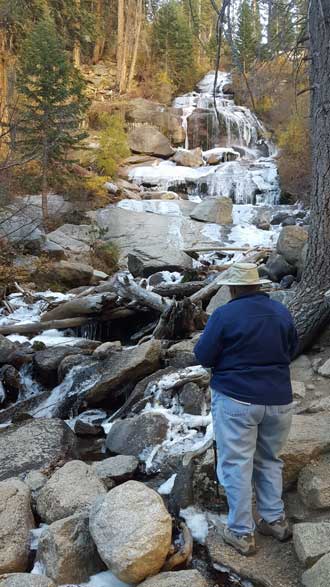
column 167, row 486
column 197, row 523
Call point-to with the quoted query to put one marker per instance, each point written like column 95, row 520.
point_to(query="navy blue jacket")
column 249, row 344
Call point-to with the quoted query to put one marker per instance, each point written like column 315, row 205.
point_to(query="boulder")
column 127, row 366
column 221, row 298
column 301, row 369
column 47, row 362
column 74, row 238
column 217, row 210
column 166, row 119
column 143, row 264
column 25, row 580
column 67, row 552
column 72, row 274
column 277, row 267
column 318, row 575
column 192, row 399
column 16, row 522
column 311, row 541
column 309, row 437
column 135, row 435
column 291, row 243
column 7, row 348
column 193, row 158
column 35, row 444
column 157, row 238
column 314, row 484
column 274, row 565
column 116, row 469
column 147, row 139
column 53, row 250
column 132, row 531
column 71, row 489
column 160, row 195
column 324, row 370
column 181, row 354
column 298, row 390
column 176, row 579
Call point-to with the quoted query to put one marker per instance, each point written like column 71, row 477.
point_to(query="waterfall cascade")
column 246, row 171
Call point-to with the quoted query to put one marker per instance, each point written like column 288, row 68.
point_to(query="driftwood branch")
column 78, row 307
column 128, row 289
column 35, row 327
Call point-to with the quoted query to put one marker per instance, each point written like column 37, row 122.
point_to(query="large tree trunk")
column 100, row 40
column 120, row 37
column 137, row 33
column 76, row 43
column 309, row 306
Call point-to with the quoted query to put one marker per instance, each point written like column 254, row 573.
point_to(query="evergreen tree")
column 174, row 44
column 53, row 100
column 281, row 27
column 247, row 36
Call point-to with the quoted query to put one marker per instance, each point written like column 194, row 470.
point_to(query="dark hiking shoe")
column 244, row 543
column 280, row 529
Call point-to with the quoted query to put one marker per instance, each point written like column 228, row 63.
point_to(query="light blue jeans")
column 249, row 440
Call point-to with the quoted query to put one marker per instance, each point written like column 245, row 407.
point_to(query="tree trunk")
column 309, row 306
column 100, row 40
column 76, row 44
column 120, row 37
column 125, row 46
column 137, row 33
column 44, row 184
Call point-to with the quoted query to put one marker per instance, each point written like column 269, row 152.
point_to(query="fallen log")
column 36, row 327
column 180, row 320
column 128, row 289
column 178, row 290
column 82, row 306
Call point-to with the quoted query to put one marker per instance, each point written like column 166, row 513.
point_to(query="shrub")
column 105, row 256
column 113, row 144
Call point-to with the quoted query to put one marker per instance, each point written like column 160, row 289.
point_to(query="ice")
column 56, row 337
column 38, row 569
column 197, row 523
column 35, row 536
column 106, row 579
column 167, row 486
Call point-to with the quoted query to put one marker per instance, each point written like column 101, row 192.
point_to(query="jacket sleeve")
column 209, row 346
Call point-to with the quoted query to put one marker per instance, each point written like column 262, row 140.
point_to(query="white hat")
column 242, row 274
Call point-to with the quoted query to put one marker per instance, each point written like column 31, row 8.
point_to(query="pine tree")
column 174, row 44
column 247, row 36
column 53, row 101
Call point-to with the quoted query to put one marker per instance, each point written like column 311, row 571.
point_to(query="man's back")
column 249, row 344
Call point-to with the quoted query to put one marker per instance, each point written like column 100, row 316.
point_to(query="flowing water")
column 252, row 178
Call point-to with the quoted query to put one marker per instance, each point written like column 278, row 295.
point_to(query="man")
column 249, row 344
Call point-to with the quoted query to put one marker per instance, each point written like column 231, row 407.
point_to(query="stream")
column 246, row 171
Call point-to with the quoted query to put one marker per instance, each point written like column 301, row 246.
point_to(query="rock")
column 298, row 389
column 278, row 218
column 35, row 480
column 72, row 274
column 6, row 349
column 287, row 281
column 193, row 158
column 314, row 484
column 132, row 531
column 35, row 444
column 275, row 563
column 67, row 552
column 127, row 366
column 221, row 298
column 220, row 155
column 181, row 354
column 53, row 250
column 147, row 139
column 176, row 579
column 157, row 238
column 112, row 188
column 74, row 238
column 47, row 362
column 135, row 435
column 192, row 399
column 12, row 382
column 277, row 267
column 71, row 489
column 143, row 264
column 106, row 348
column 309, row 437
column 166, row 119
column 25, row 580
column 301, row 369
column 156, row 195
column 289, row 221
column 116, row 469
column 83, row 428
column 311, row 541
column 318, row 575
column 291, row 242
column 217, row 210
column 16, row 522
column 324, row 370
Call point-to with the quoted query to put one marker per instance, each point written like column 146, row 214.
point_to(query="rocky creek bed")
column 107, row 472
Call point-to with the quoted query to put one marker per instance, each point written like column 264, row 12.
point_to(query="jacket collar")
column 250, row 295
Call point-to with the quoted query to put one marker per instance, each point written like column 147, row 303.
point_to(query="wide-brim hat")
column 242, row 274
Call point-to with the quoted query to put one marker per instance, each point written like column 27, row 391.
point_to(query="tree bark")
column 137, row 33
column 76, row 43
column 120, row 37
column 309, row 306
column 100, row 40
